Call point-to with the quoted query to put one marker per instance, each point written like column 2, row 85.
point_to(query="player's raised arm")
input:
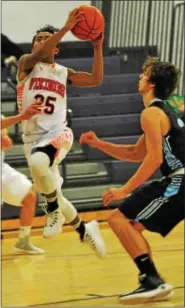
column 93, row 79
column 45, row 44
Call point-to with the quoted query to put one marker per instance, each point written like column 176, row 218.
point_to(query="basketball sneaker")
column 53, row 224
column 94, row 238
column 23, row 245
column 152, row 288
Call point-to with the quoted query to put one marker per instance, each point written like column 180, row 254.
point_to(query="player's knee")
column 117, row 218
column 39, row 163
column 113, row 218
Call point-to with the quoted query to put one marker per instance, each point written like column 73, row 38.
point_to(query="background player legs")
column 17, row 190
column 26, row 217
column 27, row 214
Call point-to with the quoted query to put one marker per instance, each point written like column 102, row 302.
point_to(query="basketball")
column 90, row 28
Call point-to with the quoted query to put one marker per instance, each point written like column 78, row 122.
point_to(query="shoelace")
column 89, row 237
column 51, row 219
column 43, row 207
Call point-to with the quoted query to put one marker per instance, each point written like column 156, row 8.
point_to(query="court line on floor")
column 13, row 255
column 90, row 297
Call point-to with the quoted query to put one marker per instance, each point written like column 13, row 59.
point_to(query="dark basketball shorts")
column 158, row 206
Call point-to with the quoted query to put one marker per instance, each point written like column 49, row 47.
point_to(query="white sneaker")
column 163, row 298
column 23, row 245
column 54, row 223
column 94, row 238
column 152, row 288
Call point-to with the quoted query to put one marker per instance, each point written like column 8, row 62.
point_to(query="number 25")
column 49, row 103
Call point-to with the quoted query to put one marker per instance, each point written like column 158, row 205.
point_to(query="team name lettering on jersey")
column 47, row 85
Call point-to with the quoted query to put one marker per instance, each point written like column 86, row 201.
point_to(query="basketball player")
column 157, row 206
column 46, row 137
column 17, row 189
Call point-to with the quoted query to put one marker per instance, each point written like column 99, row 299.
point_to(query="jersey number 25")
column 48, row 103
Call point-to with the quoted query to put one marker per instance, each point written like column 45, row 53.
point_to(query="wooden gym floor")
column 70, row 274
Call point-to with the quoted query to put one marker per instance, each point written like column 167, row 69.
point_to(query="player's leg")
column 88, row 232
column 27, row 213
column 40, row 159
column 26, row 217
column 16, row 190
column 151, row 285
column 40, row 162
column 140, row 228
column 151, row 208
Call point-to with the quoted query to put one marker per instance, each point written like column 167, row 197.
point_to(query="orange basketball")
column 92, row 26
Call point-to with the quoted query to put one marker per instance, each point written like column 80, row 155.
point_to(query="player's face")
column 145, row 85
column 40, row 39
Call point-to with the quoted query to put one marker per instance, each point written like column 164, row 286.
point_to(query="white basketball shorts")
column 61, row 142
column 15, row 185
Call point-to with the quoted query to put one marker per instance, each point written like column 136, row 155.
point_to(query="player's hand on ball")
column 113, row 194
column 99, row 40
column 74, row 17
column 89, row 138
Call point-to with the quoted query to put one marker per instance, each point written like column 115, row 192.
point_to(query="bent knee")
column 39, row 163
column 115, row 217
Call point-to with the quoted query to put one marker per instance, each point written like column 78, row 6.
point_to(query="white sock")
column 24, row 231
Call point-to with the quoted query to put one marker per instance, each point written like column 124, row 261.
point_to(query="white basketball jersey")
column 45, row 84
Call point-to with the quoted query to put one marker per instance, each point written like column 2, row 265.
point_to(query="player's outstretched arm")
column 28, row 61
column 93, row 79
column 25, row 115
column 132, row 153
column 6, row 122
column 153, row 124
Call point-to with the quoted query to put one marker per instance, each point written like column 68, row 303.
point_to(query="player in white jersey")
column 46, row 137
column 17, row 189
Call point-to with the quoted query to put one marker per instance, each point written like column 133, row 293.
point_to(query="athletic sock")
column 24, row 231
column 80, row 228
column 52, row 205
column 146, row 265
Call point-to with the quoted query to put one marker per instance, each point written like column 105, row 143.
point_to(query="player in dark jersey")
column 157, row 206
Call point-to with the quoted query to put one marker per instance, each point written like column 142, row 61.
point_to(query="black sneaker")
column 152, row 288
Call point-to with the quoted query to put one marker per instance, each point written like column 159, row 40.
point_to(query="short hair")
column 47, row 28
column 164, row 75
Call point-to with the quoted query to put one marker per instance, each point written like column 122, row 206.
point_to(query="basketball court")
column 70, row 274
